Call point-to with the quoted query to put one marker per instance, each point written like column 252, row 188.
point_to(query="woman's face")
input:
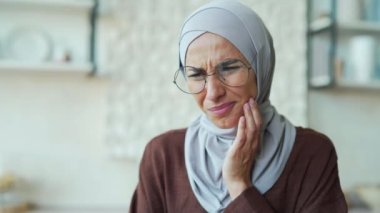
column 222, row 104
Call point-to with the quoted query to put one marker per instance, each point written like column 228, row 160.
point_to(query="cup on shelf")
column 362, row 58
column 61, row 54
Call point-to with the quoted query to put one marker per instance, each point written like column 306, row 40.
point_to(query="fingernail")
column 251, row 101
column 246, row 106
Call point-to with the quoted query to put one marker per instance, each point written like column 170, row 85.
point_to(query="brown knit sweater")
column 309, row 182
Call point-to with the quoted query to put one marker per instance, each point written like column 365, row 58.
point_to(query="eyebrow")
column 227, row 62
column 196, row 69
column 223, row 63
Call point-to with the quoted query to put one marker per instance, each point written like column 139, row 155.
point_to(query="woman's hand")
column 238, row 165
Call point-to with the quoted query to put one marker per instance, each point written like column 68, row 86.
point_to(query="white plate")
column 25, row 44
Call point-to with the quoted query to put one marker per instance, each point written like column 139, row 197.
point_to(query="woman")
column 240, row 155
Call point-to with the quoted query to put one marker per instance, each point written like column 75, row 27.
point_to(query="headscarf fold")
column 206, row 145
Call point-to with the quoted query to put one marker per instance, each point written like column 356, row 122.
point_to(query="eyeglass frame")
column 207, row 75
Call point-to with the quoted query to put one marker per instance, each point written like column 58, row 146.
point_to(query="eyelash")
column 194, row 75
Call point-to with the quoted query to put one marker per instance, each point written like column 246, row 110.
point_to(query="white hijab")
column 206, row 145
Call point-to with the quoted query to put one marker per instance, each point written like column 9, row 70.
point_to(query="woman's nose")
column 214, row 88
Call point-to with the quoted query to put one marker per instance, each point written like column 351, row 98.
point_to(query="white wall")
column 52, row 133
column 351, row 118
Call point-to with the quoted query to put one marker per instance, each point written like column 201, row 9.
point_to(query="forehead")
column 209, row 49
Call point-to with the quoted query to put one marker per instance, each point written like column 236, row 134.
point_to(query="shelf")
column 320, row 24
column 14, row 66
column 374, row 84
column 58, row 4
column 360, row 26
column 331, row 40
column 326, row 23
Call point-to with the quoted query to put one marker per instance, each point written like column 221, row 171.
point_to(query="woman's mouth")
column 222, row 109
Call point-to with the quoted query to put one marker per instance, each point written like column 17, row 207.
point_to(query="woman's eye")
column 194, row 75
column 230, row 68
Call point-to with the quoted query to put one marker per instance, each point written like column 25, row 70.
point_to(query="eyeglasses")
column 231, row 72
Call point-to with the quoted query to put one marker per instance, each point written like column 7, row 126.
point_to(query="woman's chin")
column 225, row 123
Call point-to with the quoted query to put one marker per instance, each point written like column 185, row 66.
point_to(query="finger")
column 256, row 114
column 249, row 122
column 240, row 135
column 246, row 148
column 258, row 123
column 250, row 126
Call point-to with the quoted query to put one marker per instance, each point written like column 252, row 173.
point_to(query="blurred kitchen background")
column 84, row 85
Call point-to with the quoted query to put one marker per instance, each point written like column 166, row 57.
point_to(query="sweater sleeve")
column 310, row 183
column 149, row 195
column 249, row 200
column 323, row 192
